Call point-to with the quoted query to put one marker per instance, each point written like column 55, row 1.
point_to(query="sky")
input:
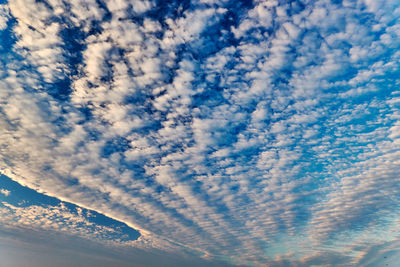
column 199, row 133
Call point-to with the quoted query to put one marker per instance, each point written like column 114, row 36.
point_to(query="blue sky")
column 209, row 133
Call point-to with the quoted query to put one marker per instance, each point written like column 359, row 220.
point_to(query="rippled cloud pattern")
column 231, row 132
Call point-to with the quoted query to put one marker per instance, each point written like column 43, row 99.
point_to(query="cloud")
column 55, row 219
column 216, row 128
column 5, row 192
column 4, row 16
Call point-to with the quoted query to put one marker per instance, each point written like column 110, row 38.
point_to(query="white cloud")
column 4, row 16
column 56, row 218
column 221, row 150
column 5, row 192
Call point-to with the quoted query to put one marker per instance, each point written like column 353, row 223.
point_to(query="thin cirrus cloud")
column 230, row 132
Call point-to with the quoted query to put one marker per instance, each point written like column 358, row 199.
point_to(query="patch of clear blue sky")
column 22, row 196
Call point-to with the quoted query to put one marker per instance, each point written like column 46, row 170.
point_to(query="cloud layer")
column 263, row 132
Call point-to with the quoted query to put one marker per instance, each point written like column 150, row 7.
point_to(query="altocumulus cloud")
column 5, row 192
column 263, row 132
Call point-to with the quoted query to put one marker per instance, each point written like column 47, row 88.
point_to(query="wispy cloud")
column 5, row 192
